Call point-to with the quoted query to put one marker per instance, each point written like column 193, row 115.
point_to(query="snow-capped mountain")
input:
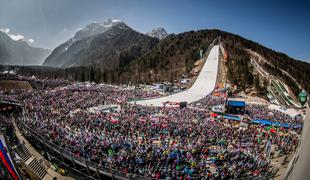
column 89, row 30
column 159, row 33
column 105, row 45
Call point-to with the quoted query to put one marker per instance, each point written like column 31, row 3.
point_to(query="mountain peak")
column 159, row 33
column 96, row 28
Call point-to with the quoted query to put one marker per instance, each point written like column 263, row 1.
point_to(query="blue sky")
column 282, row 25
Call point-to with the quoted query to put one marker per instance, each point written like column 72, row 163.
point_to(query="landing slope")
column 204, row 84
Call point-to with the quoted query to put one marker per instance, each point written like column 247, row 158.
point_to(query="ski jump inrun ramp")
column 204, row 84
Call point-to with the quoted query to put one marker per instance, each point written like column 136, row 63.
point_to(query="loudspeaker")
column 183, row 104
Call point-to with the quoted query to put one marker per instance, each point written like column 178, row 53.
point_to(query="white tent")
column 290, row 112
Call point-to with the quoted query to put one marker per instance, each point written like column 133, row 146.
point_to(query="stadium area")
column 96, row 131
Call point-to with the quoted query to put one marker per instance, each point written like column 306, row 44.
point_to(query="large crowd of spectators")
column 154, row 142
column 209, row 101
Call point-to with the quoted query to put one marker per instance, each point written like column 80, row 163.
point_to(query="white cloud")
column 15, row 37
column 65, row 29
column 31, row 40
